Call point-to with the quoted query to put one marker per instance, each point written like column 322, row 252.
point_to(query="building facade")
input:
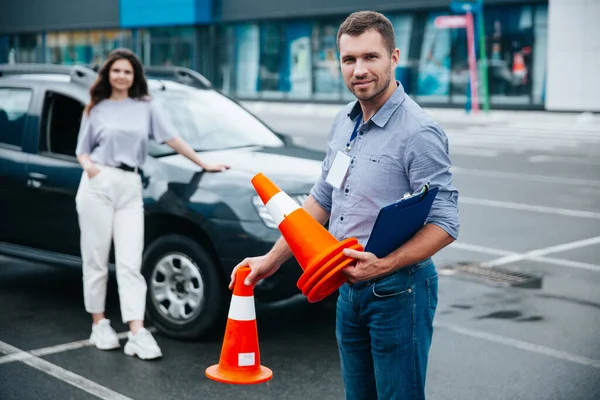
column 286, row 50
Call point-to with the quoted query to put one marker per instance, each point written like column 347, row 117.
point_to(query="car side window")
column 14, row 105
column 60, row 124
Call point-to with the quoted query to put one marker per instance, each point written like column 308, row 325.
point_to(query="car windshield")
column 207, row 120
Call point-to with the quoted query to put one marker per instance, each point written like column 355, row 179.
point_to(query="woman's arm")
column 88, row 165
column 181, row 146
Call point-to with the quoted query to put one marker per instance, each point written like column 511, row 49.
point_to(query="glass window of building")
column 509, row 32
column 271, row 60
column 327, row 75
column 297, row 64
column 224, row 59
column 403, row 26
column 540, row 47
column 29, row 48
column 433, row 78
column 169, row 46
column 105, row 41
column 246, row 61
column 69, row 48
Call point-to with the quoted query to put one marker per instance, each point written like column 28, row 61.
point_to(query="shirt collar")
column 382, row 115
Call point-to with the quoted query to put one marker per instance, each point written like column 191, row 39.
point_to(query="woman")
column 112, row 145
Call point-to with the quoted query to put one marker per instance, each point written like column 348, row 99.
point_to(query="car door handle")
column 36, row 179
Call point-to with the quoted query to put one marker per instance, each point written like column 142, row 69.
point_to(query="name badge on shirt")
column 339, row 170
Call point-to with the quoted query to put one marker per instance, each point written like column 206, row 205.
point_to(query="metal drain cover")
column 491, row 275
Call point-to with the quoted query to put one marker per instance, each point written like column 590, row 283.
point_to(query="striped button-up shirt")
column 396, row 152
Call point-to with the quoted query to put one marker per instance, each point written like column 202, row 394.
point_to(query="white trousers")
column 110, row 207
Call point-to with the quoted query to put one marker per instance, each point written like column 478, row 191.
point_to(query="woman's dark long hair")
column 101, row 89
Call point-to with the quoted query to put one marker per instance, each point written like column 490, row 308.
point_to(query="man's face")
column 366, row 64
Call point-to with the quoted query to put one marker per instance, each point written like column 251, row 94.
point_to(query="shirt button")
column 347, row 190
column 341, row 218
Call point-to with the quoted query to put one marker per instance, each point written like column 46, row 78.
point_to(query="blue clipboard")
column 399, row 221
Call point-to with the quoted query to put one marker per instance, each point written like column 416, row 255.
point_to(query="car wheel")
column 185, row 294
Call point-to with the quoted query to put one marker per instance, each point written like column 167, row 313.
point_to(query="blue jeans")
column 384, row 329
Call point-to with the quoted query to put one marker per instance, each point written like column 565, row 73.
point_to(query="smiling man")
column 385, row 145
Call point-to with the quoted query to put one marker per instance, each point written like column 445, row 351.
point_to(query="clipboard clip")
column 422, row 192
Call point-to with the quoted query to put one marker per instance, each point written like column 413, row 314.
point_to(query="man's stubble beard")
column 379, row 91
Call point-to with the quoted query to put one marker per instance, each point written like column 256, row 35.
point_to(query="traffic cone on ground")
column 318, row 252
column 240, row 355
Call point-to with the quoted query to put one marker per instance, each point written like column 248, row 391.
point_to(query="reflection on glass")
column 270, row 57
column 246, row 59
column 298, row 65
column 169, row 46
column 328, row 82
column 403, row 26
column 433, row 81
column 84, row 47
column 510, row 39
column 540, row 47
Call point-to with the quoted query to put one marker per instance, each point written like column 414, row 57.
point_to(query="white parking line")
column 519, row 344
column 568, row 160
column 66, row 376
column 525, row 177
column 533, row 255
column 54, row 349
column 480, row 249
column 567, row 263
column 542, row 252
column 529, row 207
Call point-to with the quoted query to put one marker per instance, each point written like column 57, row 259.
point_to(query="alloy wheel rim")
column 177, row 288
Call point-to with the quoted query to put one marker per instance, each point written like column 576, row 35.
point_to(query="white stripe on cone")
column 242, row 308
column 280, row 206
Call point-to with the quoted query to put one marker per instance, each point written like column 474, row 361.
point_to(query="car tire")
column 175, row 266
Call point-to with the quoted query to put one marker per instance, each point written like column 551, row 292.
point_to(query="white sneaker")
column 104, row 336
column 142, row 344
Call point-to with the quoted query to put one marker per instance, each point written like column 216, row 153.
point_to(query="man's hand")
column 368, row 266
column 261, row 267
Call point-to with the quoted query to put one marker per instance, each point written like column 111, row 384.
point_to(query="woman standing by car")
column 112, row 145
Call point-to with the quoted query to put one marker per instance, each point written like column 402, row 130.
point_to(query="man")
column 385, row 313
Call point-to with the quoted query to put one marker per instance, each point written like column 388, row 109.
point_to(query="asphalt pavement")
column 530, row 213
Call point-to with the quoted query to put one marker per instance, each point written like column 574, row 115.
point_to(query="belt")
column 128, row 168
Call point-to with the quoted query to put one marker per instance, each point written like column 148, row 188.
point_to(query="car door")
column 54, row 172
column 15, row 103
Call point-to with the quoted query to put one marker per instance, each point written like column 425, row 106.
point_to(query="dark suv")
column 198, row 226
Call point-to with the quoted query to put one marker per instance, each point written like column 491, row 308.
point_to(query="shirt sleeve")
column 427, row 160
column 85, row 140
column 322, row 191
column 161, row 128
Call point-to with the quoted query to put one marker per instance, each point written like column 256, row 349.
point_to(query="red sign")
column 451, row 21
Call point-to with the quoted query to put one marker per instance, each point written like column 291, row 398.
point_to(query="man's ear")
column 396, row 57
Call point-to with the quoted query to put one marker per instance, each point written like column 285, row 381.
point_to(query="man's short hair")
column 359, row 22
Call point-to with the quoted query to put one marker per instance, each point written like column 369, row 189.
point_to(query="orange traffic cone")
column 318, row 252
column 240, row 355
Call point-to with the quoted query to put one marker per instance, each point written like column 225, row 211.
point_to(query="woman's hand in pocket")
column 92, row 172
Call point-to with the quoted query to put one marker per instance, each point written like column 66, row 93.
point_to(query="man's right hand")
column 261, row 267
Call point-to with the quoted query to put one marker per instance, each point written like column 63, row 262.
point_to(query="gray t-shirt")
column 117, row 131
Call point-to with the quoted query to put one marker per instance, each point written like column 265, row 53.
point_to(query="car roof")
column 159, row 78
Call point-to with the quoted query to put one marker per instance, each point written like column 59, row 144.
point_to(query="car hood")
column 285, row 164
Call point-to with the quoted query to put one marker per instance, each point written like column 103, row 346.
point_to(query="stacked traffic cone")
column 240, row 354
column 318, row 252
